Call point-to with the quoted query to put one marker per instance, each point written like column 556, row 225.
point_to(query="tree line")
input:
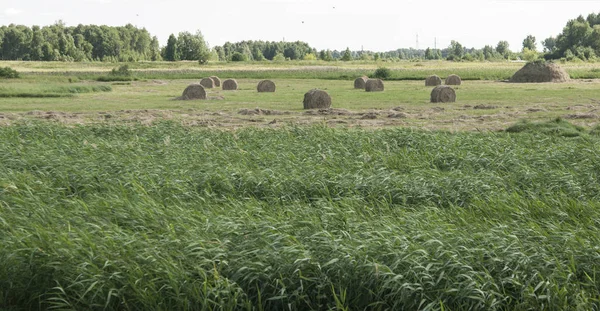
column 80, row 43
column 579, row 40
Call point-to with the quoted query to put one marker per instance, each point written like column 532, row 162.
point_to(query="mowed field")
column 115, row 196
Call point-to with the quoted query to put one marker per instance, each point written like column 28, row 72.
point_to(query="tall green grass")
column 129, row 217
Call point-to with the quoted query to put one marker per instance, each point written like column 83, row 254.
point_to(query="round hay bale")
column 217, row 81
column 265, row 86
column 193, row 91
column 443, row 94
column 453, row 80
column 316, row 98
column 230, row 85
column 433, row 80
column 207, row 83
column 540, row 71
column 359, row 83
column 374, row 85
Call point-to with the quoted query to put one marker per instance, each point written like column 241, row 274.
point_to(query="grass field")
column 117, row 197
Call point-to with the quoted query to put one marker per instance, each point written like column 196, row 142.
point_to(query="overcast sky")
column 325, row 24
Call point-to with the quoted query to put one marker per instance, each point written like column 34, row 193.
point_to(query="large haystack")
column 453, row 80
column 216, row 80
column 193, row 91
column 433, row 81
column 207, row 83
column 443, row 94
column 230, row 85
column 317, row 99
column 359, row 83
column 265, row 86
column 540, row 71
column 374, row 85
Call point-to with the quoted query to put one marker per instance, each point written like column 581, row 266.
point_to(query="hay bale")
column 374, row 85
column 540, row 71
column 359, row 83
column 433, row 80
column 443, row 94
column 453, row 80
column 193, row 91
column 265, row 86
column 230, row 85
column 216, row 80
column 207, row 83
column 316, row 98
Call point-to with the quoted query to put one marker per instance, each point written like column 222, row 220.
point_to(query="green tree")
column 155, row 49
column 549, row 44
column 37, row 41
column 171, row 49
column 192, row 46
column 502, row 49
column 529, row 43
column 456, row 51
column 239, row 57
column 347, row 55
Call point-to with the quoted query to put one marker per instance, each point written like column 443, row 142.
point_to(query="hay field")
column 117, row 197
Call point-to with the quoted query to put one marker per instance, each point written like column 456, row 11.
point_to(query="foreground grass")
column 170, row 217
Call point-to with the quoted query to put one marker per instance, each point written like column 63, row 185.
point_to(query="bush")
column 382, row 73
column 238, row 57
column 122, row 71
column 8, row 73
column 279, row 58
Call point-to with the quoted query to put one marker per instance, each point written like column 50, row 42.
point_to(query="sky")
column 379, row 26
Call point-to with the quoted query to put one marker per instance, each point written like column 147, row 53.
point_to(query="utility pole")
column 417, row 41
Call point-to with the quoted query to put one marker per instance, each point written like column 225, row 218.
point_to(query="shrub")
column 122, row 71
column 8, row 73
column 382, row 73
column 238, row 57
